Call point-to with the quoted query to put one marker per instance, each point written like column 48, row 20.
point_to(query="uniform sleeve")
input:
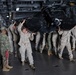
column 11, row 27
column 1, row 40
column 7, row 44
column 4, row 42
column 19, row 27
column 2, row 48
column 31, row 36
column 21, row 42
column 60, row 32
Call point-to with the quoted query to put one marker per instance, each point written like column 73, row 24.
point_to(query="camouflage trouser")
column 49, row 41
column 5, row 59
column 73, row 42
column 15, row 47
column 28, row 49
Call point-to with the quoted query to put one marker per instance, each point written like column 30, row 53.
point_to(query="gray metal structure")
column 8, row 8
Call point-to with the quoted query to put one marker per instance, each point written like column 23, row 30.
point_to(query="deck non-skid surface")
column 45, row 65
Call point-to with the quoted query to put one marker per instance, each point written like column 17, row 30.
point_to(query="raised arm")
column 11, row 26
column 60, row 32
column 20, row 25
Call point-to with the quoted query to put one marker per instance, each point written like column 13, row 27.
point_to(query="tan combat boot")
column 9, row 67
column 49, row 53
column 5, row 69
column 32, row 66
column 23, row 63
column 73, row 49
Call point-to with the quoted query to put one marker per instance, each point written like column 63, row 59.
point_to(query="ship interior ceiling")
column 42, row 16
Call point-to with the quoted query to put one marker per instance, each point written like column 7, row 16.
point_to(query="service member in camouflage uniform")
column 5, row 47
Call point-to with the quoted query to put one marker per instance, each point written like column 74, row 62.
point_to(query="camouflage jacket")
column 4, row 43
